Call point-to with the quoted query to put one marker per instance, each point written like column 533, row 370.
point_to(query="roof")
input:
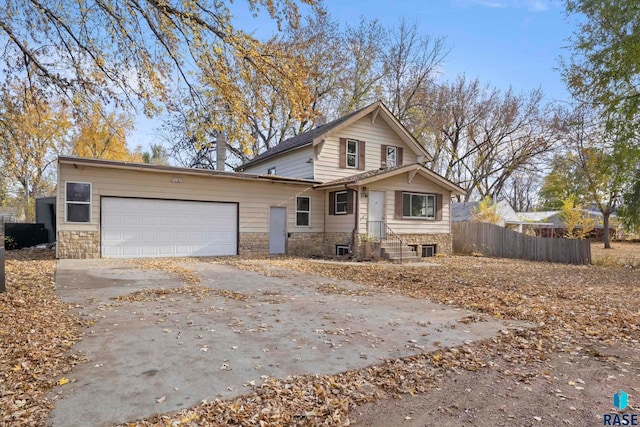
column 146, row 167
column 315, row 135
column 463, row 212
column 383, row 173
column 537, row 216
column 553, row 217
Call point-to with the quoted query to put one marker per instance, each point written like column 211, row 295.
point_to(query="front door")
column 376, row 217
column 277, row 230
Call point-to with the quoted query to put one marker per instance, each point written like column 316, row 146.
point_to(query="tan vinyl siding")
column 419, row 184
column 254, row 197
column 343, row 223
column 294, row 164
column 327, row 162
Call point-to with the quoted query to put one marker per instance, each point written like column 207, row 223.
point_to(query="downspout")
column 324, row 221
column 356, row 212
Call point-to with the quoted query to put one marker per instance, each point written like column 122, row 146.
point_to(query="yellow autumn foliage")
column 103, row 135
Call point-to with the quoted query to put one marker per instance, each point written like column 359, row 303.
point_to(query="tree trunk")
column 605, row 224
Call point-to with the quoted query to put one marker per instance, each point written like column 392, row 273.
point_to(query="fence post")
column 2, row 287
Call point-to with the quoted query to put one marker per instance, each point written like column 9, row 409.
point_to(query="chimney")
column 322, row 120
column 221, row 151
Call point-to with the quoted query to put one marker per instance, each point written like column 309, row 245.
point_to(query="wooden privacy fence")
column 493, row 240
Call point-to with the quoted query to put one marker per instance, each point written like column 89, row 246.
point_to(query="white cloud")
column 530, row 5
column 536, row 5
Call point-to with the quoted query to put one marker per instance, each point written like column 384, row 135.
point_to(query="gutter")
column 356, row 212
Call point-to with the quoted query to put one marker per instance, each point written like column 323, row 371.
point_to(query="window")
column 78, row 202
column 303, row 211
column 416, row 205
column 342, row 250
column 352, row 153
column 392, row 156
column 341, row 202
column 428, row 250
column 271, row 171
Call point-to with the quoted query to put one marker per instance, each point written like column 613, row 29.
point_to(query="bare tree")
column 483, row 136
column 364, row 45
column 411, row 61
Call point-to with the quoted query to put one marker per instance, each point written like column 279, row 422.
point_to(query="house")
column 335, row 189
column 551, row 224
column 463, row 212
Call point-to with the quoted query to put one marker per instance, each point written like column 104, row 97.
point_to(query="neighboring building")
column 550, row 223
column 463, row 212
column 336, row 189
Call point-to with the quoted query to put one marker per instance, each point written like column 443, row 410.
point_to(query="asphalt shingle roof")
column 300, row 140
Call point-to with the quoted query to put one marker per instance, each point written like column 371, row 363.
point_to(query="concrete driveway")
column 164, row 354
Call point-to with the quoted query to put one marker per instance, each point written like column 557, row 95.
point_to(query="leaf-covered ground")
column 580, row 311
column 36, row 335
column 581, row 314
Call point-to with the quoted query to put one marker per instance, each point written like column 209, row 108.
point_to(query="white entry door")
column 277, row 230
column 376, row 217
column 145, row 228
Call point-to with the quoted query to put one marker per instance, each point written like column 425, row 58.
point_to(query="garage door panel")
column 133, row 228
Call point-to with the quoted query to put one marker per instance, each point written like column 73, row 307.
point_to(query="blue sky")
column 504, row 43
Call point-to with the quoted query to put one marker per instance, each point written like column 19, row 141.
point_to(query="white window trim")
column 428, row 195
column 271, row 170
column 394, row 149
column 307, row 212
column 355, row 154
column 425, row 250
column 346, row 203
column 344, row 247
column 66, row 202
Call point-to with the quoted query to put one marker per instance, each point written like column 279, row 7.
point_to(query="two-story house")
column 349, row 186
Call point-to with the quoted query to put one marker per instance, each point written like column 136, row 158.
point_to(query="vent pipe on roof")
column 221, row 151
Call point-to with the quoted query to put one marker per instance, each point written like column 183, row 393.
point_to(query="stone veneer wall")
column 443, row 242
column 253, row 244
column 86, row 244
column 333, row 239
column 305, row 244
column 298, row 244
column 78, row 244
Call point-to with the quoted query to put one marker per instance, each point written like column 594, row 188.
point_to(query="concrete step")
column 393, row 253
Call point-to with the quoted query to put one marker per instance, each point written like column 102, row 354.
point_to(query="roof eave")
column 109, row 164
column 271, row 156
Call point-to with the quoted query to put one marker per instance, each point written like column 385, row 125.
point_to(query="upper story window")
column 271, row 171
column 391, row 156
column 352, row 153
column 77, row 200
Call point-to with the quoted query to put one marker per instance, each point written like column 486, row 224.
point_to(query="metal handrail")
column 383, row 232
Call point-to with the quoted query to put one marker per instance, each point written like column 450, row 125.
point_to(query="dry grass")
column 620, row 254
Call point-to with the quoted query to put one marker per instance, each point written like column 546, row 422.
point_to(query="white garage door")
column 144, row 228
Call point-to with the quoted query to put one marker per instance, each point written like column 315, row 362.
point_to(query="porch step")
column 393, row 253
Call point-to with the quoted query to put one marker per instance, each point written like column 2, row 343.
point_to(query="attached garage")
column 146, row 228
